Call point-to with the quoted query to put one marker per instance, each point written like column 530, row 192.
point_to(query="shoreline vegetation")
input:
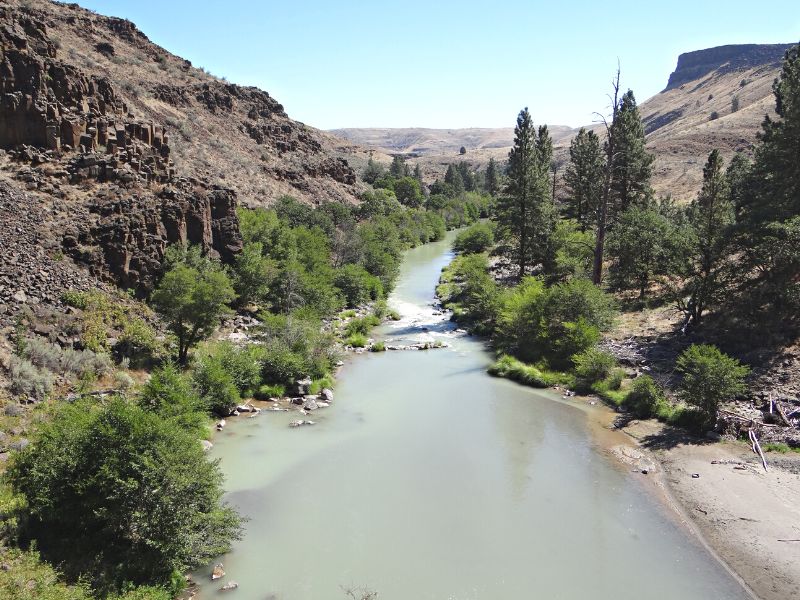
column 132, row 405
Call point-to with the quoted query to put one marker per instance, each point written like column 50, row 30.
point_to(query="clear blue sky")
column 442, row 63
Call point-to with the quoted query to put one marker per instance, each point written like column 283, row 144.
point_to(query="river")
column 428, row 479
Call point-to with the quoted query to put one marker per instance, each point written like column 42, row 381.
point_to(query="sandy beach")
column 748, row 517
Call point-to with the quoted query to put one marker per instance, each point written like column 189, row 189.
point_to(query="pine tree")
column 467, row 176
column 584, row 177
column 710, row 217
column 418, row 174
column 524, row 211
column 398, row 168
column 768, row 219
column 492, row 179
column 372, row 172
column 633, row 165
column 454, row 178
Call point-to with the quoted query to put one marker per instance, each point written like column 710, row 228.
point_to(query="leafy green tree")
column 477, row 238
column 192, row 300
column 253, row 274
column 454, row 178
column 525, row 212
column 492, row 178
column 709, row 378
column 408, row 192
column 644, row 246
column 584, row 177
column 710, row 218
column 357, row 285
column 119, row 494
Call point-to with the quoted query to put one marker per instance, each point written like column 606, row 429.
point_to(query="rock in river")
column 218, row 572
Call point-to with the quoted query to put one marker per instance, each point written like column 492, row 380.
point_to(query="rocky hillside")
column 693, row 115
column 111, row 148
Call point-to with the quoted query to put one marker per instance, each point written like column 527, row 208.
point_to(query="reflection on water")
column 427, row 479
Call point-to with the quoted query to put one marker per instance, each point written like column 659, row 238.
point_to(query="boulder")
column 206, row 445
column 310, row 403
column 327, row 395
column 303, row 386
column 218, row 572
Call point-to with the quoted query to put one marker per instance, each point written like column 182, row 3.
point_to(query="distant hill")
column 692, row 116
column 419, row 141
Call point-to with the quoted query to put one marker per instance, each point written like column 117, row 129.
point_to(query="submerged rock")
column 301, row 422
column 231, row 585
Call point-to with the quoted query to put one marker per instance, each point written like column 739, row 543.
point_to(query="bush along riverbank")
column 550, row 336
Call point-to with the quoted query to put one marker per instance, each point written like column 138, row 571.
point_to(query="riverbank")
column 748, row 517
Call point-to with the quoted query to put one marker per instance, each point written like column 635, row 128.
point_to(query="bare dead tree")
column 602, row 211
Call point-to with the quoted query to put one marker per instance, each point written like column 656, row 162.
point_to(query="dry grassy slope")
column 208, row 125
column 680, row 131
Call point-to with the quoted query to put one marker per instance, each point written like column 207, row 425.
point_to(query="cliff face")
column 98, row 179
column 123, row 148
column 724, row 59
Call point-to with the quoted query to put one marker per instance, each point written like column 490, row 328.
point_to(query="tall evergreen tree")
column 632, row 164
column 769, row 210
column 584, row 177
column 454, row 178
column 492, row 179
column 398, row 168
column 418, row 174
column 467, row 176
column 373, row 171
column 710, row 217
column 524, row 211
column 627, row 170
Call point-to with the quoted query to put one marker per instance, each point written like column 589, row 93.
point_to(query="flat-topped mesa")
column 55, row 106
column 724, row 59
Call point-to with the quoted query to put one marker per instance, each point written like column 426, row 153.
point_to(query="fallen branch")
column 757, row 447
column 789, row 540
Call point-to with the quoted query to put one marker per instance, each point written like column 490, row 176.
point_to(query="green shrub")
column 361, row 326
column 709, row 378
column 779, row 447
column 594, row 364
column 477, row 238
column 317, row 385
column 215, row 385
column 169, row 394
column 511, row 368
column 119, row 495
column 270, row 390
column 75, row 299
column 378, row 347
column 28, row 380
column 356, row 340
column 26, row 577
column 646, row 397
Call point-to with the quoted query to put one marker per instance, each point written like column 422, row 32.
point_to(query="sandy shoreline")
column 749, row 519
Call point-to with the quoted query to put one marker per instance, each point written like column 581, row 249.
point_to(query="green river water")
column 428, row 479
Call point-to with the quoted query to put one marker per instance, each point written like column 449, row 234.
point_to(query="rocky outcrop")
column 725, row 59
column 73, row 134
column 127, row 233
